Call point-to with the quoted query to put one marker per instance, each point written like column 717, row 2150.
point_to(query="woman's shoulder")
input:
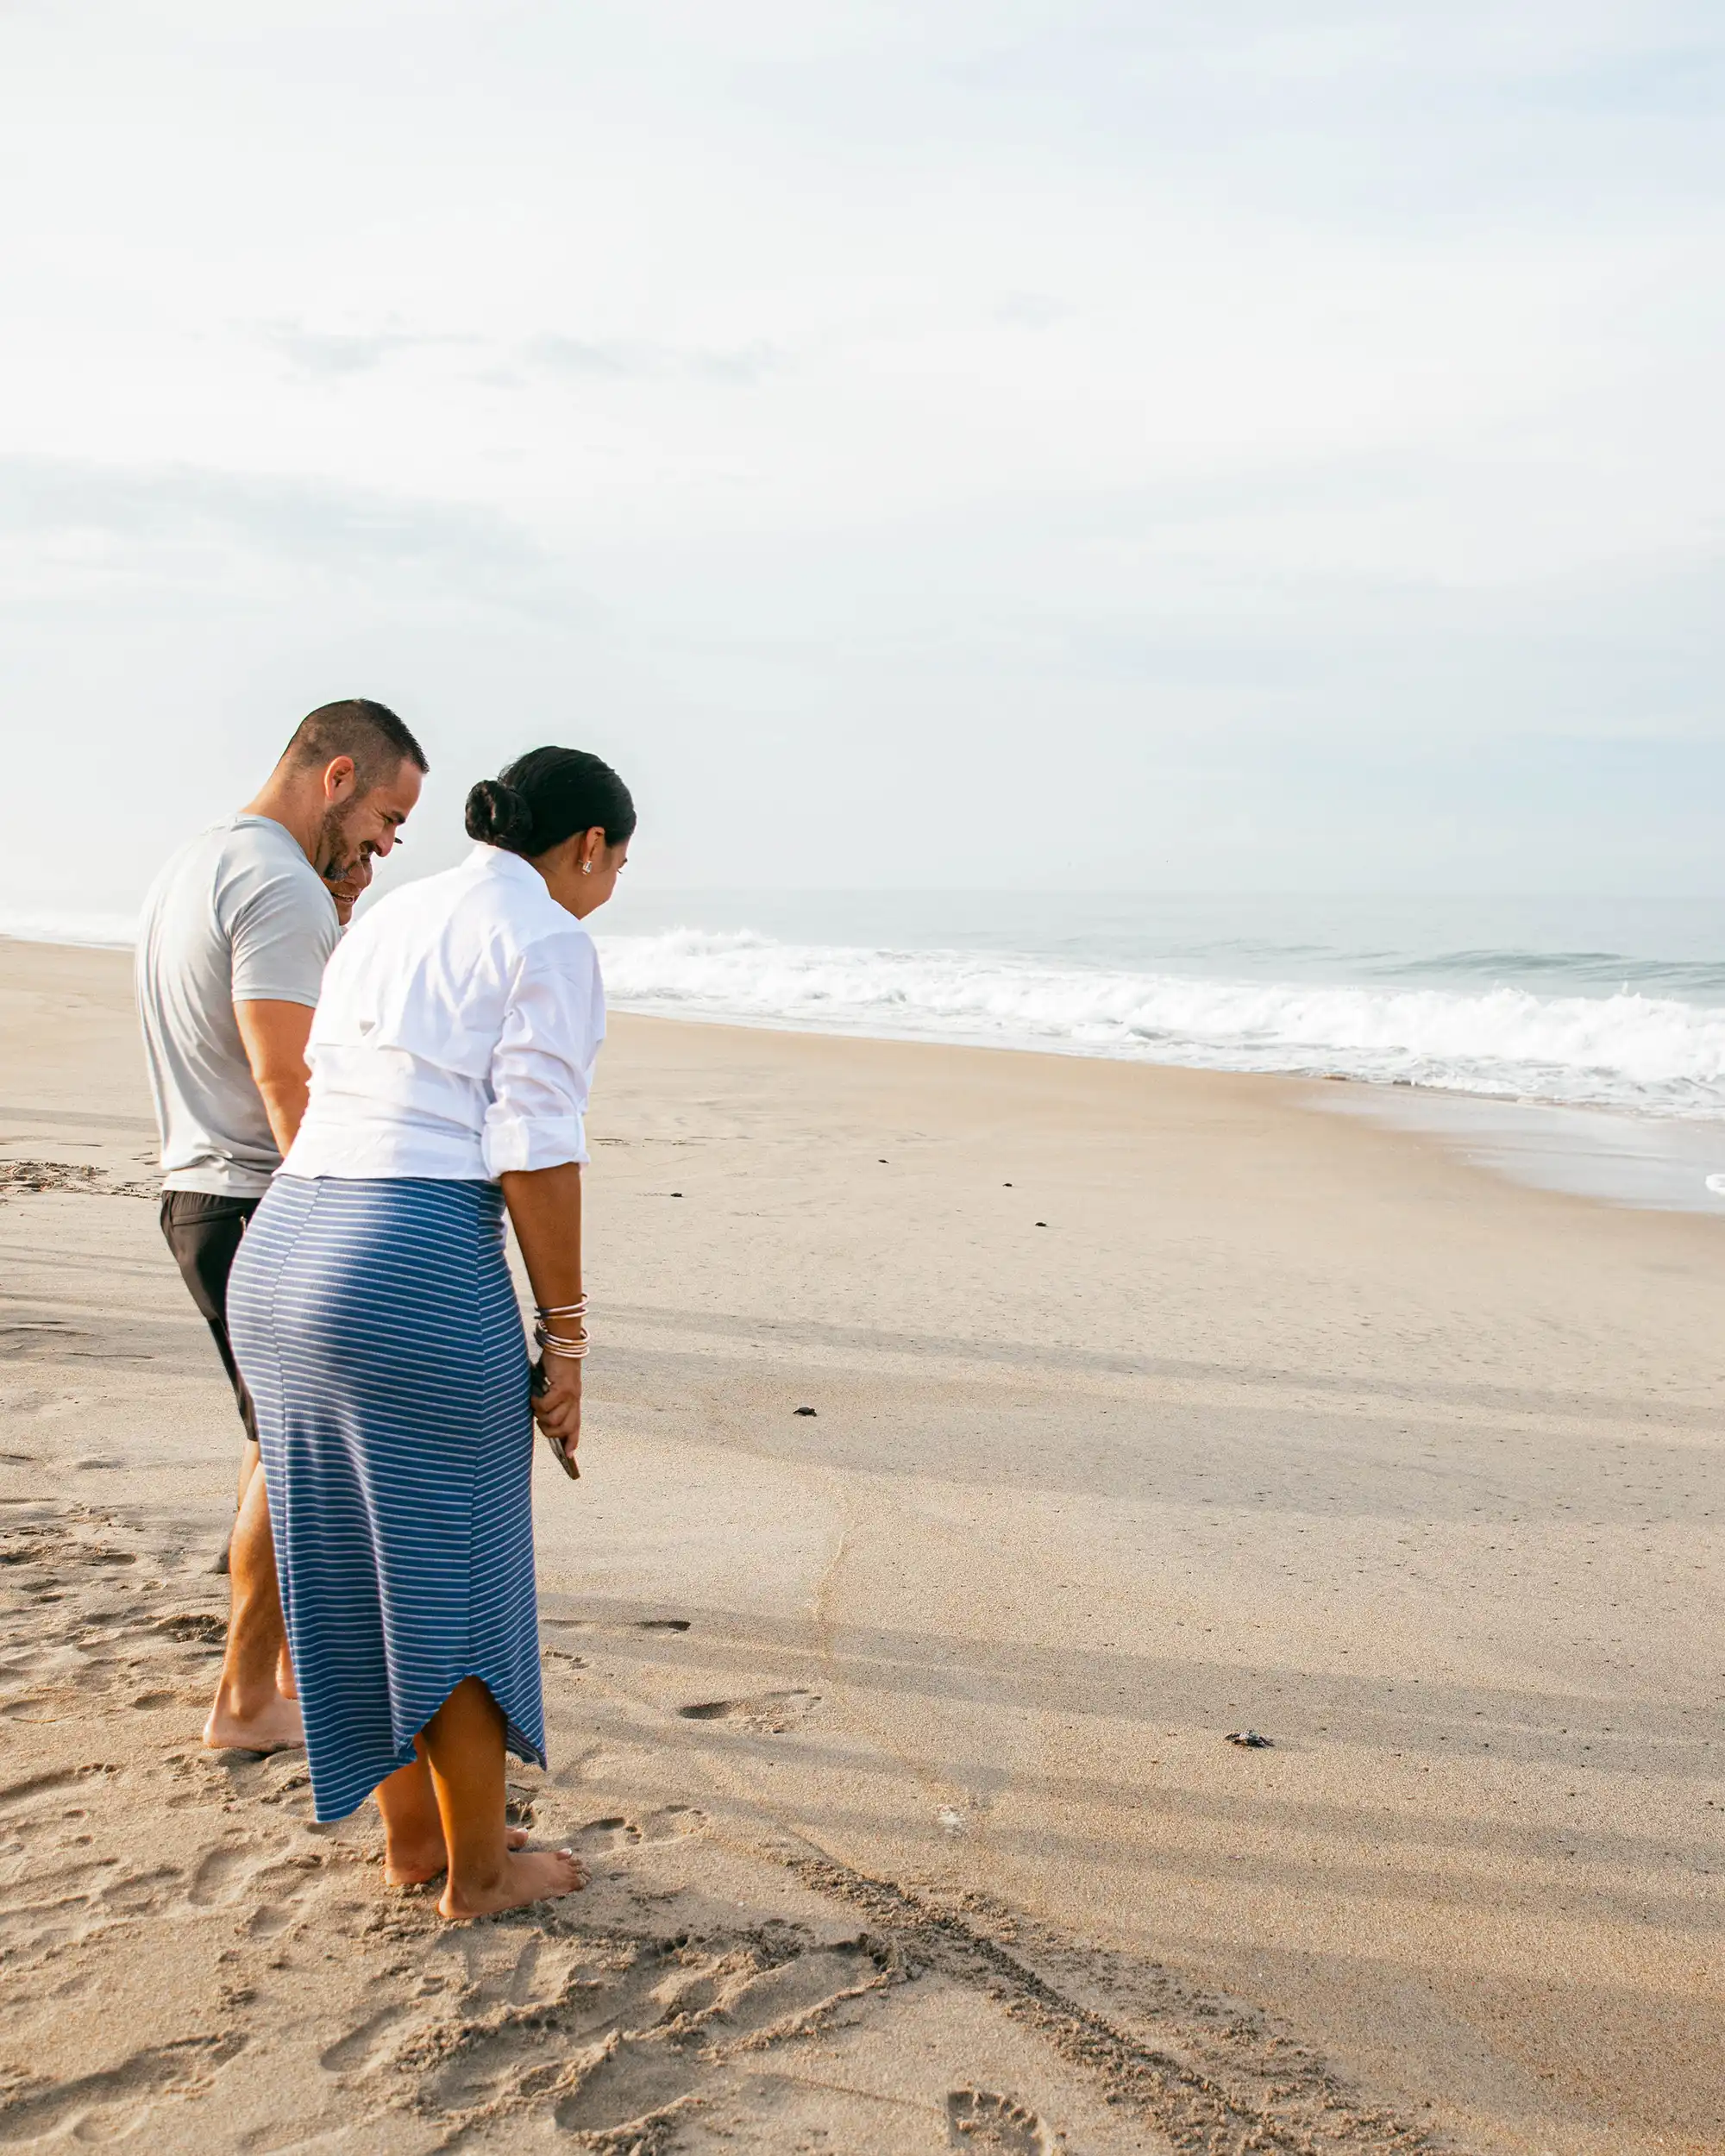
column 541, row 923
column 561, row 946
column 554, row 952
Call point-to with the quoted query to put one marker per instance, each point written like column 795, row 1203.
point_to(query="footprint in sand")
column 66, row 1893
column 493, row 2056
column 977, row 2119
column 499, row 2042
column 212, row 1881
column 194, row 1626
column 109, row 2104
column 53, row 1827
column 51, row 1904
column 20, row 1796
column 657, row 2051
column 771, row 1713
column 40, row 1707
column 630, row 2093
column 268, row 1918
column 604, row 1837
column 787, row 1999
column 286, row 1779
column 233, row 1872
column 364, row 2047
column 505, row 1968
column 136, row 1893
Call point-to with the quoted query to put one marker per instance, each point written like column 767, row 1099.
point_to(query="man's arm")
column 274, row 1037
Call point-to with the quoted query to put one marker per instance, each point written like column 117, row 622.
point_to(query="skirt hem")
column 332, row 1805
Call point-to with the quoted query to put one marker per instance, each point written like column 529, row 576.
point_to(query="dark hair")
column 370, row 733
column 547, row 796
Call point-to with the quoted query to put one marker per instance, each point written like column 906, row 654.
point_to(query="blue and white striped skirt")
column 377, row 1326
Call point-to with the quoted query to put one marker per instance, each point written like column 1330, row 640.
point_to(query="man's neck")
column 286, row 804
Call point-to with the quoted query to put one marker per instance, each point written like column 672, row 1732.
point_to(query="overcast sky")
column 1244, row 446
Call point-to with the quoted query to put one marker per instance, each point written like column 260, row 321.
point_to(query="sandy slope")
column 897, row 1730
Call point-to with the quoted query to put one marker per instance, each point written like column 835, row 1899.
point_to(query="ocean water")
column 1486, row 1017
column 1613, row 1005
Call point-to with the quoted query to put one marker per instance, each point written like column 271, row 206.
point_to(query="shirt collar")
column 495, row 860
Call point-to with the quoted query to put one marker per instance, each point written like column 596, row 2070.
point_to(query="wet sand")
column 1150, row 1405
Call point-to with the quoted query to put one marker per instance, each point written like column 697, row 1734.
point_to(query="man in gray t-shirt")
column 236, row 933
column 238, row 916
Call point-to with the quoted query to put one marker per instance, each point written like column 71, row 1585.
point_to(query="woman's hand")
column 557, row 1409
column 545, row 1208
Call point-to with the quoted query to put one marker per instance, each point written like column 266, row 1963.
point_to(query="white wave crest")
column 1649, row 1053
column 112, row 932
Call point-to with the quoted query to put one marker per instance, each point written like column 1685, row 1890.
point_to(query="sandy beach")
column 1148, row 1406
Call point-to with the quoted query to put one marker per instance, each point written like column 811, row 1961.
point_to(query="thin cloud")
column 330, row 355
column 107, row 515
column 612, row 359
column 1032, row 310
column 1072, row 380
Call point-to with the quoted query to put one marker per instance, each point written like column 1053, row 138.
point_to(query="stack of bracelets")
column 552, row 1342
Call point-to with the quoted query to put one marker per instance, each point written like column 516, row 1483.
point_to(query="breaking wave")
column 1649, row 1053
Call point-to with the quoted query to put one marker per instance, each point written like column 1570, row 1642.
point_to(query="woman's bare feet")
column 413, row 1866
column 446, row 1807
column 528, row 1875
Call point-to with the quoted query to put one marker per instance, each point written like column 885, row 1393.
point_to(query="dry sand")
column 897, row 1731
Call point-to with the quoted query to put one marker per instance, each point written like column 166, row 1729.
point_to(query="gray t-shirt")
column 239, row 915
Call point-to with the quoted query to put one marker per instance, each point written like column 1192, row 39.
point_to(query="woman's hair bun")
column 547, row 796
column 498, row 815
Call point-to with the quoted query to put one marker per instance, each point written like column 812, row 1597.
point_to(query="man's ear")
column 338, row 779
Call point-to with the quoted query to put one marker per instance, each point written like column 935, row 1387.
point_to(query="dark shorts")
column 203, row 1232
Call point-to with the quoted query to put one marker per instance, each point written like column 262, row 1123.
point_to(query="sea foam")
column 1651, row 1054
column 112, row 932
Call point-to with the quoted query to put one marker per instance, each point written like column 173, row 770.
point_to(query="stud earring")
column 587, row 868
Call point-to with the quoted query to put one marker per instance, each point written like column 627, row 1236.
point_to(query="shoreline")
column 1661, row 1163
column 1672, row 1163
column 1284, row 1419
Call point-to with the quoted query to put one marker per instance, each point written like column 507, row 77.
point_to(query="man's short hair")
column 370, row 733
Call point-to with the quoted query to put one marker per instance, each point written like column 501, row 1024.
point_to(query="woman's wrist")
column 560, row 1329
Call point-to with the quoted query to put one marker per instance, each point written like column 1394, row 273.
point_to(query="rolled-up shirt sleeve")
column 542, row 1067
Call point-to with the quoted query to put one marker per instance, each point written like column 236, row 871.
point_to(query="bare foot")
column 413, row 1867
column 530, row 1875
column 275, row 1727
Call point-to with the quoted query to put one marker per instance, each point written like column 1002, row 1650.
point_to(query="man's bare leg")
column 463, row 1745
column 251, row 1463
column 413, row 1845
column 253, row 1713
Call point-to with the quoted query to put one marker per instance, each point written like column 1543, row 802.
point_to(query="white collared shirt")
column 456, row 1032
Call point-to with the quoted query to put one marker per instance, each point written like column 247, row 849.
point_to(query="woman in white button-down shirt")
column 373, row 1318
